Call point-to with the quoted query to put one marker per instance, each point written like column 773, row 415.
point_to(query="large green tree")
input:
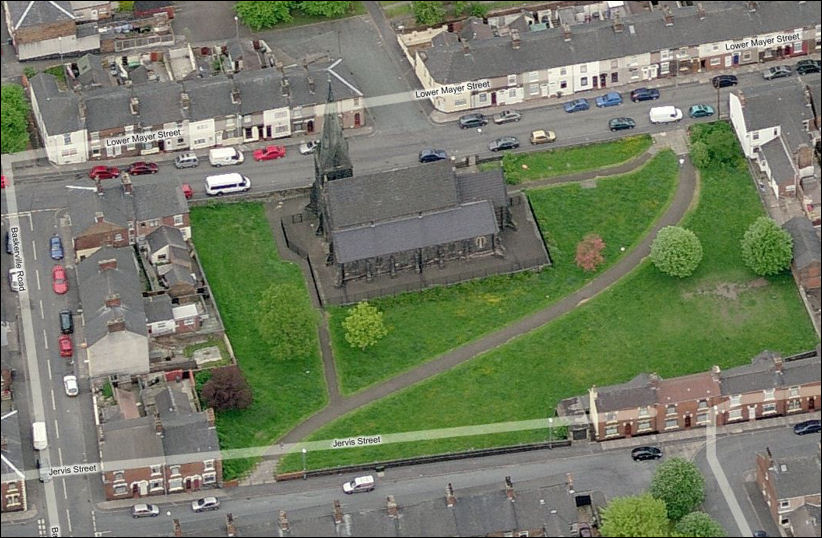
column 325, row 9
column 286, row 321
column 364, row 326
column 641, row 515
column 767, row 249
column 428, row 13
column 676, row 251
column 699, row 525
column 14, row 111
column 679, row 484
column 259, row 15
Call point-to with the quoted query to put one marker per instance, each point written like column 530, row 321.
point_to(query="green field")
column 237, row 251
column 425, row 324
column 648, row 322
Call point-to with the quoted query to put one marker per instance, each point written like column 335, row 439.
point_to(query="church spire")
column 331, row 161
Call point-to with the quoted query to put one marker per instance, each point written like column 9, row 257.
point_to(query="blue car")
column 576, row 105
column 56, row 247
column 609, row 99
column 701, row 111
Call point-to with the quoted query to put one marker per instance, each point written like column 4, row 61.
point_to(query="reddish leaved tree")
column 227, row 389
column 589, row 252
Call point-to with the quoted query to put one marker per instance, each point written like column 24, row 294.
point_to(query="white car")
column 361, row 483
column 307, row 148
column 70, row 384
column 205, row 504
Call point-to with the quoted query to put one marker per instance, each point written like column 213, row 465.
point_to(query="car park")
column 644, row 94
column 642, row 453
column 542, row 137
column 507, row 116
column 503, row 142
column 803, row 67
column 473, row 120
column 777, row 71
column 145, row 510
column 65, row 346
column 619, row 124
column 721, row 81
column 809, row 426
column 188, row 192
column 70, row 385
column 700, row 111
column 269, row 153
column 576, row 105
column 309, row 147
column 609, row 99
column 104, row 172
column 141, row 168
column 59, row 281
column 56, row 247
column 205, row 504
column 359, row 484
column 66, row 322
column 432, row 155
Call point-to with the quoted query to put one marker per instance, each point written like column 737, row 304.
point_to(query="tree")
column 259, row 15
column 676, row 251
column 460, row 8
column 767, row 249
column 14, row 109
column 699, row 525
column 679, row 484
column 364, row 326
column 286, row 321
column 589, row 252
column 227, row 389
column 641, row 515
column 325, row 9
column 479, row 9
column 428, row 13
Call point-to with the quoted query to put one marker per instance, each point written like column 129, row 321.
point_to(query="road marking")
column 60, row 455
column 42, row 312
column 57, row 432
column 68, row 515
column 34, row 249
column 37, row 274
column 45, row 338
column 722, row 480
column 65, row 494
column 53, row 403
column 49, row 367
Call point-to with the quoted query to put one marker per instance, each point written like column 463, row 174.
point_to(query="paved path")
column 685, row 194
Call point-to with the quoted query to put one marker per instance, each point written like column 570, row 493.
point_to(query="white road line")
column 57, row 432
column 37, row 274
column 42, row 312
column 45, row 338
column 68, row 515
column 34, row 249
column 53, row 403
column 60, row 455
column 65, row 491
column 49, row 367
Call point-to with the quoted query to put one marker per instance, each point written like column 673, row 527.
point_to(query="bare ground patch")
column 728, row 290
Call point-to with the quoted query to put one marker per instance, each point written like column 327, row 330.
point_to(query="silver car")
column 777, row 71
column 145, row 510
column 205, row 504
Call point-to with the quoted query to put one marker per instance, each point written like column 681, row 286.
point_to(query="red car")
column 104, row 172
column 64, row 343
column 140, row 168
column 269, row 152
column 58, row 280
column 188, row 192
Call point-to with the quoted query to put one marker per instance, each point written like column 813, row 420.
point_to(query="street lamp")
column 304, row 450
column 550, row 433
column 60, row 43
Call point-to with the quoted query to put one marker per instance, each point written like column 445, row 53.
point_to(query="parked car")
column 205, row 504
column 507, row 116
column 777, row 71
column 432, row 155
column 359, row 484
column 9, row 244
column 644, row 94
column 619, row 124
column 65, row 346
column 104, row 172
column 721, row 81
column 809, row 426
column 66, row 322
column 188, row 192
column 70, row 384
column 642, row 453
column 803, row 67
column 145, row 510
column 700, row 111
column 59, row 281
column 473, row 120
column 140, row 168
column 269, row 152
column 576, row 105
column 186, row 160
column 306, row 148
column 503, row 142
column 609, row 99
column 542, row 137
column 56, row 247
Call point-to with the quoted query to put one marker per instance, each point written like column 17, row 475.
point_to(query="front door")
column 628, row 430
column 603, row 79
column 688, row 421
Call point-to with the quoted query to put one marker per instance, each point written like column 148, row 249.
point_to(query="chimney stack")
column 98, row 217
column 178, row 531
column 777, row 363
column 618, row 25
column 113, row 300
column 185, row 101
column 450, row 499
column 210, row 416
column 566, row 32
column 283, row 521
column 509, row 489
column 128, row 188
column 466, row 50
column 311, row 86
column 515, row 40
column 102, row 265
column 229, row 525
column 285, row 87
column 752, row 7
column 235, row 96
column 158, row 425
column 700, row 11
column 338, row 514
column 116, row 325
column 741, row 96
column 669, row 16
column 391, row 506
column 83, row 109
column 99, row 184
column 134, row 104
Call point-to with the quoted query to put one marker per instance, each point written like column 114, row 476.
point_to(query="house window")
column 769, row 408
column 156, row 485
column 768, row 393
column 118, row 476
column 583, row 81
column 175, row 484
column 209, row 478
column 755, row 136
column 611, row 430
column 199, row 141
column 794, row 392
column 178, row 220
column 736, row 400
column 563, row 71
column 614, row 64
column 715, row 61
column 512, row 80
column 643, row 411
column 563, row 84
column 208, row 465
column 734, row 414
column 614, row 78
column 460, row 102
column 670, row 409
column 583, row 69
column 533, row 76
column 702, row 418
column 512, row 93
column 67, row 138
column 611, row 417
column 189, row 322
column 703, row 404
column 120, row 489
column 794, row 405
column 12, row 499
column 664, row 54
column 643, row 425
column 785, row 522
column 533, row 89
column 784, row 504
column 175, row 470
column 155, row 469
column 671, row 423
column 482, row 98
column 118, row 237
column 746, row 55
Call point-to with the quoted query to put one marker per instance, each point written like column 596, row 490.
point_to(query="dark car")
column 504, row 142
column 66, row 322
column 140, row 168
column 803, row 67
column 56, row 247
column 642, row 453
column 644, row 94
column 9, row 244
column 431, row 155
column 473, row 120
column 809, row 426
column 104, row 172
column 777, row 71
column 619, row 124
column 722, row 81
column 609, row 99
column 576, row 105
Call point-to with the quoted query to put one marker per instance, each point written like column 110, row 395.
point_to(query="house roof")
column 301, row 94
column 780, row 102
column 806, row 520
column 812, row 189
column 210, row 98
column 12, row 461
column 165, row 236
column 407, row 233
column 474, row 28
column 690, row 387
column 801, row 371
column 158, row 308
column 780, row 163
column 60, row 111
column 185, row 430
column 26, row 14
column 133, row 439
column 638, row 392
column 155, row 199
column 108, row 108
column 260, row 90
column 806, row 248
column 160, row 102
column 489, row 185
column 91, row 72
column 185, row 311
column 644, row 32
column 759, row 375
column 178, row 275
column 795, row 476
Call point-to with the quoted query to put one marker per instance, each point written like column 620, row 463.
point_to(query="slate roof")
column 210, row 98
column 438, row 228
column 806, row 520
column 12, row 461
column 165, row 236
column 780, row 102
column 108, row 108
column 758, row 375
column 158, row 308
column 133, row 439
column 342, row 84
column 801, row 371
column 781, row 165
column 638, row 392
column 159, row 103
column 795, row 476
column 178, row 275
column 60, row 111
column 91, row 72
column 185, row 431
column 689, row 387
column 474, row 28
column 157, row 199
column 806, row 248
column 540, row 50
column 488, row 185
column 260, row 90
column 25, row 14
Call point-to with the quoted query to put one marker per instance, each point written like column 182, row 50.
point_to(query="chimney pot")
column 509, row 489
column 391, row 506
column 113, row 300
column 566, row 32
column 515, row 40
column 102, row 265
column 98, row 216
column 116, row 325
column 450, row 499
column 283, row 520
column 338, row 514
column 128, row 188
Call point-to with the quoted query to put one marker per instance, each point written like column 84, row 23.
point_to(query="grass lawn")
column 425, row 324
column 563, row 161
column 240, row 258
column 647, row 322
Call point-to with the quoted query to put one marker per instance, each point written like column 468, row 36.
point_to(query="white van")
column 225, row 156
column 226, row 184
column 665, row 114
column 16, row 281
column 38, row 435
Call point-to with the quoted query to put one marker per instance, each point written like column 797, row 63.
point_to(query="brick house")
column 132, row 458
column 807, row 253
column 13, row 497
column 789, row 484
column 48, row 29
